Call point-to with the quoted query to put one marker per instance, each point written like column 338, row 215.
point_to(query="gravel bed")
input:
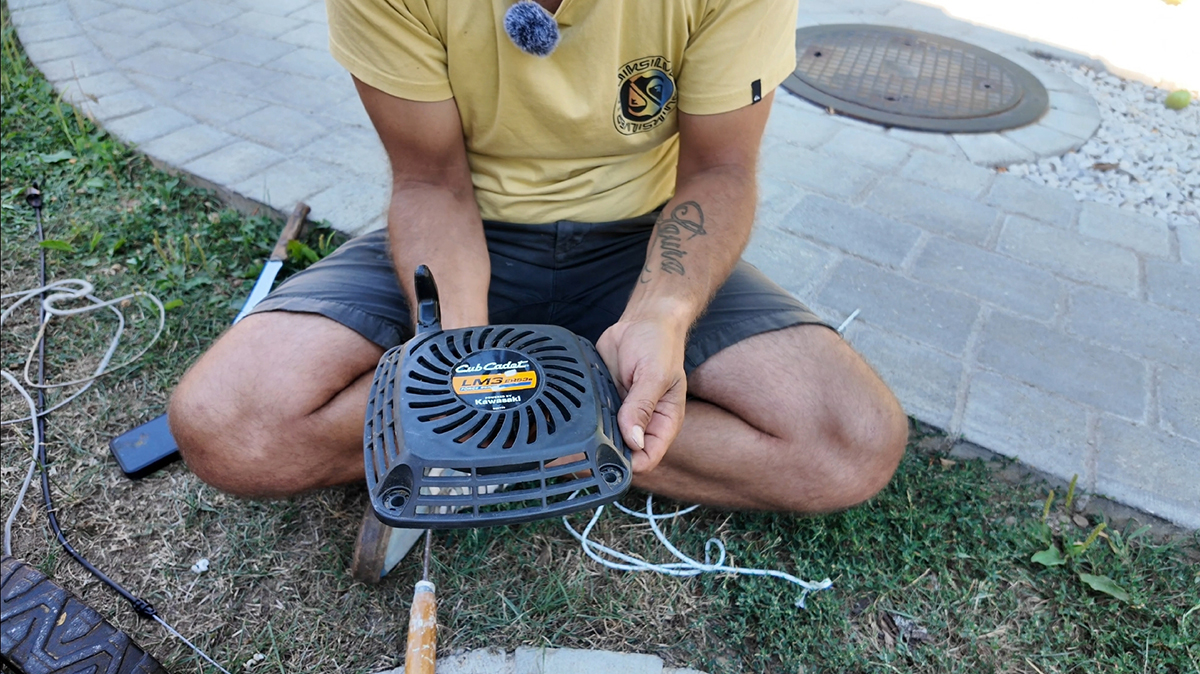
column 1144, row 157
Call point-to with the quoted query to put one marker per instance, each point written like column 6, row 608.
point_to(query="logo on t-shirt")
column 646, row 95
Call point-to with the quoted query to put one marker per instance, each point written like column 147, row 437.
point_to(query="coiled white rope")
column 686, row 566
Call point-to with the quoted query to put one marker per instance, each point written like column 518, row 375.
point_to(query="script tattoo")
column 669, row 237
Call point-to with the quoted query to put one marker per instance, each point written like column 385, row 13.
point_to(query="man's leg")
column 789, row 420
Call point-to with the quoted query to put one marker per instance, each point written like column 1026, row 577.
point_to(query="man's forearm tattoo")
column 670, row 236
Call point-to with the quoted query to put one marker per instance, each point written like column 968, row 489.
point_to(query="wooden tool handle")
column 291, row 231
column 421, row 656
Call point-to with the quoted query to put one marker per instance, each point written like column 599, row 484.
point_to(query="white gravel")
column 1144, row 157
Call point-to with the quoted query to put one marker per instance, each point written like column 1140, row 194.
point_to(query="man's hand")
column 645, row 357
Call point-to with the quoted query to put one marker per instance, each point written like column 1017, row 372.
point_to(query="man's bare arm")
column 433, row 218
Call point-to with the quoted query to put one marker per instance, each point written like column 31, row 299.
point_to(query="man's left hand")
column 645, row 357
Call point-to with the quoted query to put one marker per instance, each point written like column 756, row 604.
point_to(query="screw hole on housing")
column 817, row 54
column 612, row 475
column 395, row 498
column 987, row 85
column 891, row 98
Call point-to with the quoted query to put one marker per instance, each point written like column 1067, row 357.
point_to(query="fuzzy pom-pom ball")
column 531, row 28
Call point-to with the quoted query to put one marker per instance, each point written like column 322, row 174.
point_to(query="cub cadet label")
column 495, row 379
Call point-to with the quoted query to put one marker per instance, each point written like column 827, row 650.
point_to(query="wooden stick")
column 421, row 655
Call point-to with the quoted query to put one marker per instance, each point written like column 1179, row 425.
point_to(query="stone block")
column 1081, row 126
column 349, row 112
column 795, row 264
column 45, row 32
column 312, row 63
column 107, row 108
column 1189, row 245
column 233, row 78
column 1058, row 363
column 166, row 62
column 216, row 107
column 957, row 176
column 489, row 661
column 1179, row 403
column 1126, row 228
column 187, row 36
column 1017, row 195
column 351, row 206
column 234, row 163
column 203, row 12
column 261, row 23
column 1043, row 141
column 993, row 278
column 148, row 5
column 148, row 125
column 815, row 172
column 924, row 379
column 934, row 142
column 528, row 660
column 75, row 67
column 49, row 13
column 86, row 10
column 117, row 46
column 920, row 312
column 312, row 35
column 179, row 147
column 992, row 149
column 356, row 149
column 247, row 49
column 867, row 149
column 934, row 210
column 95, row 87
column 308, row 95
column 283, row 185
column 796, row 125
column 775, row 198
column 1079, row 103
column 1162, row 335
column 313, row 12
column 166, row 90
column 1070, row 254
column 854, row 230
column 128, row 22
column 1173, row 285
column 51, row 50
column 278, row 127
column 1020, row 421
column 276, row 7
column 1151, row 470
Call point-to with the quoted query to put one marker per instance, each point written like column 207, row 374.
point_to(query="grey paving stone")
column 795, row 264
column 924, row 379
column 936, row 317
column 1179, row 403
column 278, row 127
column 312, row 35
column 1058, row 363
column 261, row 23
column 75, row 67
column 166, row 62
column 247, row 49
column 187, row 36
column 56, row 49
column 276, row 7
column 1026, row 423
column 307, row 95
column 1189, row 244
column 85, row 10
column 291, row 181
column 165, row 90
column 867, row 149
column 1070, row 101
column 314, row 63
column 95, row 86
column 234, row 163
column 1173, row 285
column 108, row 108
column 792, row 124
column 314, row 12
column 233, row 78
column 490, row 661
column 16, row 6
column 933, row 209
column 1157, row 471
column 1017, row 195
column 1163, row 335
column 117, row 46
column 216, row 107
column 1126, row 228
column 349, row 112
column 44, row 32
column 571, row 661
column 128, row 22
column 953, row 175
column 1043, row 141
column 350, row 207
column 1081, row 126
column 148, row 5
column 179, row 147
column 815, row 172
column 203, row 12
column 1070, row 254
column 992, row 149
column 854, row 230
column 934, row 142
column 49, row 13
column 993, row 278
column 775, row 198
column 148, row 125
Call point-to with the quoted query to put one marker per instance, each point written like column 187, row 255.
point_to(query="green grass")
column 946, row 546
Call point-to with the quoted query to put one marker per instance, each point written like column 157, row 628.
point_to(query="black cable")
column 33, row 197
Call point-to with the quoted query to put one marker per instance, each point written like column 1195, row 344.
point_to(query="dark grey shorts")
column 573, row 274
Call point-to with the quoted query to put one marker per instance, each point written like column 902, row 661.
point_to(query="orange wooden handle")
column 421, row 656
column 291, row 230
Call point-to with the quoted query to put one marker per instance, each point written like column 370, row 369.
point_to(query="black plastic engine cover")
column 462, row 424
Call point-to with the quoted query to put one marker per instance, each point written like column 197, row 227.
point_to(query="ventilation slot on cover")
column 423, row 362
column 487, row 440
column 453, row 349
column 473, row 430
column 456, row 423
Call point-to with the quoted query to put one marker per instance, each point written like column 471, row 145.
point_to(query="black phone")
column 145, row 449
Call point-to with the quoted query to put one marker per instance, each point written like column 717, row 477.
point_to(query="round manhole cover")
column 915, row 80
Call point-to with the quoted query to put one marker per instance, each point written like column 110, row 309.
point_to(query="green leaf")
column 299, row 252
column 1106, row 585
column 55, row 244
column 95, row 241
column 1049, row 557
column 173, row 304
column 116, row 246
column 94, row 183
column 56, row 157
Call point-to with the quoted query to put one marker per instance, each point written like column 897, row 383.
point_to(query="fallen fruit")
column 1178, row 100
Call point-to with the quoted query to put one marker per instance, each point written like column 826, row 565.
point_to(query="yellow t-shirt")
column 588, row 133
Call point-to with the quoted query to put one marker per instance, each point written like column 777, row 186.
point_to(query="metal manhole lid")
column 907, row 78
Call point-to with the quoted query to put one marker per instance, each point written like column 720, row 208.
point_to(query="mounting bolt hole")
column 817, row 54
column 891, row 98
column 986, row 85
column 611, row 474
column 395, row 498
